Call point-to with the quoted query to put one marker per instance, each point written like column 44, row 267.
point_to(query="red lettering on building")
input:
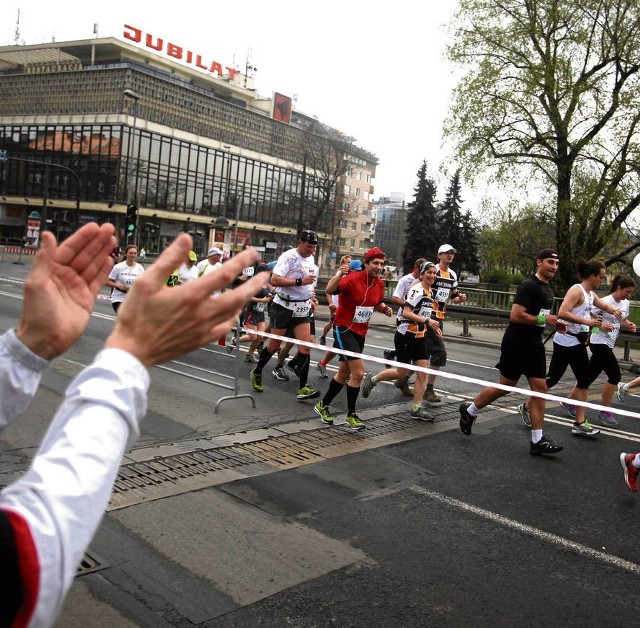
column 199, row 63
column 134, row 35
column 176, row 52
column 149, row 43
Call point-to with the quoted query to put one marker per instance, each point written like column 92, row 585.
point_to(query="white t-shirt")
column 205, row 267
column 599, row 337
column 187, row 274
column 404, row 283
column 293, row 266
column 125, row 274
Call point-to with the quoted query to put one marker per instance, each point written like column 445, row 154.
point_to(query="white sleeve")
column 282, row 266
column 63, row 496
column 20, row 371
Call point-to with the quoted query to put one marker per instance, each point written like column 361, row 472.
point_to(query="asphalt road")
column 316, row 526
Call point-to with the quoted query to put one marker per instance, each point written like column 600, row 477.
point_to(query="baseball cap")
column 374, row 253
column 546, row 253
column 445, row 248
column 192, row 256
column 308, row 236
column 214, row 250
column 425, row 265
column 355, row 264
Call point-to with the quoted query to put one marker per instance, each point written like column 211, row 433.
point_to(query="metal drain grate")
column 90, row 563
column 208, row 465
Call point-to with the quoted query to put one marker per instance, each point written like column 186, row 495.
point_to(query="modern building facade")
column 391, row 222
column 99, row 124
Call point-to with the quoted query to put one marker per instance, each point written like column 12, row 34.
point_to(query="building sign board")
column 177, row 52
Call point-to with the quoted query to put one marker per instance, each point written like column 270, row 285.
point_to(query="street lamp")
column 129, row 93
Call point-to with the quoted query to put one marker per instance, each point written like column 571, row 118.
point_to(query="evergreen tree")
column 422, row 227
column 458, row 228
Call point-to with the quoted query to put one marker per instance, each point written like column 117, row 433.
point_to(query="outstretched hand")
column 61, row 288
column 157, row 323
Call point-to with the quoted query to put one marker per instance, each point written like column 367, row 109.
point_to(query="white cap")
column 445, row 248
column 214, row 250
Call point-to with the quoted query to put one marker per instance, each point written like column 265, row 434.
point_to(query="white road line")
column 547, row 537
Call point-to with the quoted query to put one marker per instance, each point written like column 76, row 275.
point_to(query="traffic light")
column 131, row 219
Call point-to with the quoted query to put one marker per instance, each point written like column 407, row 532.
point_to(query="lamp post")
column 129, row 93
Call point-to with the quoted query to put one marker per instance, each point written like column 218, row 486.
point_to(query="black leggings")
column 576, row 357
column 603, row 359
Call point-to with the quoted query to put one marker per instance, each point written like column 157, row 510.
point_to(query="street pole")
column 129, row 93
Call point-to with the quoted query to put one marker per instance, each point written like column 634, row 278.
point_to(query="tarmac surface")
column 265, row 517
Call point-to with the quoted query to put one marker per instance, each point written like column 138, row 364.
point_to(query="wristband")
column 541, row 320
column 298, row 281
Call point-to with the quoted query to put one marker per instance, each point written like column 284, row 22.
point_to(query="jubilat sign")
column 177, row 52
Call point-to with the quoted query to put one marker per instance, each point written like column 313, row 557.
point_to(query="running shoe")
column 280, row 373
column 584, row 429
column 307, row 393
column 524, row 413
column 621, row 392
column 231, row 345
column 422, row 414
column 544, row 446
column 354, row 422
column 431, row 397
column 256, row 381
column 249, row 358
column 569, row 409
column 630, row 472
column 323, row 413
column 292, row 365
column 367, row 385
column 607, row 419
column 466, row 419
column 403, row 385
column 322, row 369
column 389, row 354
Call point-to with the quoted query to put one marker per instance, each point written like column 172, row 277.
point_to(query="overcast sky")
column 375, row 71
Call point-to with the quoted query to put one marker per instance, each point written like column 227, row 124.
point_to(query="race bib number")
column 425, row 311
column 362, row 314
column 301, row 310
column 442, row 294
column 248, row 271
column 260, row 307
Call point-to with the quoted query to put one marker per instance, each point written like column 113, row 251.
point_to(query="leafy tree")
column 513, row 236
column 422, row 223
column 458, row 228
column 551, row 90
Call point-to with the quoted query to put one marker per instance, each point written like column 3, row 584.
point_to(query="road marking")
column 547, row 537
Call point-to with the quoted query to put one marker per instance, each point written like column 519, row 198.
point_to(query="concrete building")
column 390, row 222
column 92, row 126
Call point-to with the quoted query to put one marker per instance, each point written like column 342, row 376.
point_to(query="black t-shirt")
column 537, row 298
